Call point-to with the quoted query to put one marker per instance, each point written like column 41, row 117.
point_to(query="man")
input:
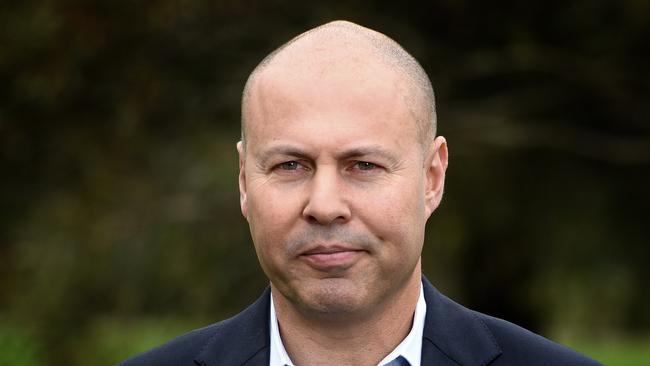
column 340, row 168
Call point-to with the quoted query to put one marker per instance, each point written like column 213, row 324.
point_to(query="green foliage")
column 630, row 352
column 111, row 340
column 18, row 348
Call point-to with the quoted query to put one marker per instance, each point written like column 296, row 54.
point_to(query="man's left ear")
column 436, row 162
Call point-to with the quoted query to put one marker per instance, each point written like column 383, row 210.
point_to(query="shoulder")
column 467, row 337
column 180, row 350
column 520, row 346
column 241, row 336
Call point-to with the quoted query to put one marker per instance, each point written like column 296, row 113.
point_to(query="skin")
column 337, row 187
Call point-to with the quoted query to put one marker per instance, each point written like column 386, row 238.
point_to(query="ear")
column 243, row 203
column 436, row 162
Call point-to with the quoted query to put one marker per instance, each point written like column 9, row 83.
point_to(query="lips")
column 331, row 257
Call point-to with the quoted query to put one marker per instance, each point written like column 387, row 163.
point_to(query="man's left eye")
column 364, row 165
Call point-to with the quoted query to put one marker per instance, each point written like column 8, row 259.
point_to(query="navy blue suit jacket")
column 453, row 335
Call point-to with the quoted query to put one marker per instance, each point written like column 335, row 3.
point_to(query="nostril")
column 325, row 220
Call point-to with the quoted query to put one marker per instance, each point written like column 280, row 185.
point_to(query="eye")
column 290, row 165
column 364, row 165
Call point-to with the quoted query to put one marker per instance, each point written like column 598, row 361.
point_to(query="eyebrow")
column 286, row 150
column 372, row 150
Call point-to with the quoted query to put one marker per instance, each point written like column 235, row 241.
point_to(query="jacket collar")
column 453, row 335
column 242, row 340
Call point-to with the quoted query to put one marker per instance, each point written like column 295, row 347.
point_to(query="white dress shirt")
column 410, row 347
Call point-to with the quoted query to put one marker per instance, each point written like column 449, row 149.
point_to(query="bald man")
column 340, row 169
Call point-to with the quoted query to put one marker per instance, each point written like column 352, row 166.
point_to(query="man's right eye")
column 289, row 165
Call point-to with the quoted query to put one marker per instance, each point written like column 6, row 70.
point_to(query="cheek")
column 271, row 217
column 395, row 215
column 404, row 199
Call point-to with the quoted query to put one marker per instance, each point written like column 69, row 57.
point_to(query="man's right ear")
column 242, row 179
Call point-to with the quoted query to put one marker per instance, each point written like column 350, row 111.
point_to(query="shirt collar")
column 410, row 347
column 279, row 356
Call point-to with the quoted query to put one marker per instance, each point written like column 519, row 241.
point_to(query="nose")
column 326, row 204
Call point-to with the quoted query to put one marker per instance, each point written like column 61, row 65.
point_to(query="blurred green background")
column 120, row 223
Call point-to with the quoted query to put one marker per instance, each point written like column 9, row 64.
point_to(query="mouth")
column 325, row 258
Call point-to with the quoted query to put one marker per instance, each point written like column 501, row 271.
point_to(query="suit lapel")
column 242, row 340
column 453, row 335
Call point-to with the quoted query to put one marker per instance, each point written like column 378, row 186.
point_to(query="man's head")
column 356, row 45
column 339, row 169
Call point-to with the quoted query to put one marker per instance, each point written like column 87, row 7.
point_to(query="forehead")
column 342, row 93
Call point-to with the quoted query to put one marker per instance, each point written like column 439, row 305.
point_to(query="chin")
column 333, row 297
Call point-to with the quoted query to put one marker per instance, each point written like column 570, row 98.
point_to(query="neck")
column 359, row 339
